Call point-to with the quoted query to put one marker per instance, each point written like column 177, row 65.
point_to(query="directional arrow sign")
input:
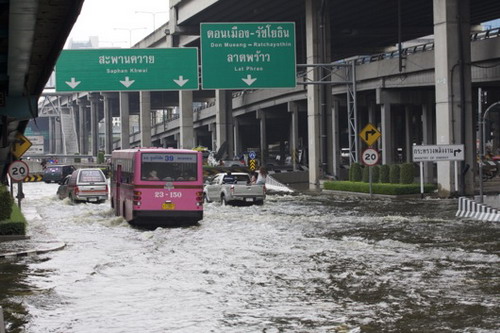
column 248, row 55
column 127, row 69
column 369, row 134
column 438, row 153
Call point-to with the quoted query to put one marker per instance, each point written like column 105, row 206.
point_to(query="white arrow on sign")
column 73, row 83
column 249, row 80
column 127, row 83
column 181, row 81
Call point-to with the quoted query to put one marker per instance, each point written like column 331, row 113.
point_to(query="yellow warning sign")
column 370, row 134
column 252, row 164
column 20, row 146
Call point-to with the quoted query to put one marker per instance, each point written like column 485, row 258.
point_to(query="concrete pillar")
column 94, row 129
column 237, row 139
column 372, row 117
column 223, row 120
column 261, row 115
column 293, row 108
column 108, row 124
column 409, row 132
column 145, row 117
column 83, row 134
column 124, row 120
column 186, row 120
column 428, row 138
column 313, row 93
column 213, row 134
column 454, row 119
column 337, row 159
column 387, row 134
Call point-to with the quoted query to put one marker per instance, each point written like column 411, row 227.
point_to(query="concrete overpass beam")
column 124, row 120
column 223, row 120
column 293, row 108
column 261, row 115
column 387, row 134
column 83, row 133
column 108, row 123
column 313, row 92
column 145, row 117
column 186, row 120
column 454, row 122
column 94, row 121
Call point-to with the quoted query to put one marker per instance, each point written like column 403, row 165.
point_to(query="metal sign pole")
column 370, row 178
column 422, row 180
column 481, row 143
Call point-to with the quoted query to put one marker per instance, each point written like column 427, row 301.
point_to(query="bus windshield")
column 169, row 167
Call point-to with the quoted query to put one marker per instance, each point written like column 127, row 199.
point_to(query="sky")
column 117, row 21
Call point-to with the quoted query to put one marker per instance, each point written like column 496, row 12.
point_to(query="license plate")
column 92, row 199
column 168, row 206
column 249, row 199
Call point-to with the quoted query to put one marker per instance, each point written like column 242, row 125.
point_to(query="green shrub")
column 100, row 157
column 6, row 203
column 78, row 159
column 407, row 175
column 15, row 225
column 355, row 172
column 394, row 173
column 375, row 173
column 384, row 173
column 366, row 174
column 388, row 189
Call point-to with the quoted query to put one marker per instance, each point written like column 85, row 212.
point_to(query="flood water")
column 300, row 263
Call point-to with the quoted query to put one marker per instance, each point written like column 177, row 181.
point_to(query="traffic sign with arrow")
column 248, row 55
column 369, row 134
column 20, row 146
column 127, row 69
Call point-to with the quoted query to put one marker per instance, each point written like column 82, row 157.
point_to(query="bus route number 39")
column 171, row 195
column 370, row 157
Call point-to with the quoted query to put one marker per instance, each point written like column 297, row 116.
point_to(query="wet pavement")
column 300, row 263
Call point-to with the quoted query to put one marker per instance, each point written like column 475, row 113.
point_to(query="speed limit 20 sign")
column 18, row 170
column 370, row 157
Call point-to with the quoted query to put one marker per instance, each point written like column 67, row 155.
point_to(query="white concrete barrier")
column 469, row 208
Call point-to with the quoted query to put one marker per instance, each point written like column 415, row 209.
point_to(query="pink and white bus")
column 153, row 187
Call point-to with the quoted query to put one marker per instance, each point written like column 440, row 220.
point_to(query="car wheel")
column 223, row 201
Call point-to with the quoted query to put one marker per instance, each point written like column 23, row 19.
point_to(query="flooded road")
column 300, row 263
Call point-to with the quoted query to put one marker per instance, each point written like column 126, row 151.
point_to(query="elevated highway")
column 430, row 92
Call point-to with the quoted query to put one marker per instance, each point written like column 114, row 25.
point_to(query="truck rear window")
column 91, row 176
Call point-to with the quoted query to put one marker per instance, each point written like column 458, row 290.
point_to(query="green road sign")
column 248, row 55
column 127, row 69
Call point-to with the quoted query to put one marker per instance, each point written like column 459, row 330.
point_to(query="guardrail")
column 469, row 208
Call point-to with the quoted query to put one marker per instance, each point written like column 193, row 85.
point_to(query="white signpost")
column 437, row 153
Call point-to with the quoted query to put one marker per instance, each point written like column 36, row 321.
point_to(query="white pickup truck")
column 234, row 188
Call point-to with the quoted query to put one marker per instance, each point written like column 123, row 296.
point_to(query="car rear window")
column 53, row 170
column 91, row 176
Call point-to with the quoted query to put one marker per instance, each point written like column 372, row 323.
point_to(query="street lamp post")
column 130, row 33
column 151, row 13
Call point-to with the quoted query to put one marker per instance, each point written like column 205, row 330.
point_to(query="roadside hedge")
column 394, row 174
column 378, row 188
column 355, row 172
column 6, row 203
column 15, row 225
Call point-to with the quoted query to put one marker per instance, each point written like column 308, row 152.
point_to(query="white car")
column 234, row 188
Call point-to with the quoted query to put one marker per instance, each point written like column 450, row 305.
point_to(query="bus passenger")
column 153, row 175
